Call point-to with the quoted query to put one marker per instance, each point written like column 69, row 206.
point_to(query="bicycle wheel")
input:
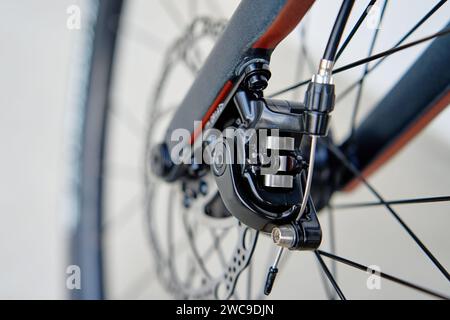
column 137, row 77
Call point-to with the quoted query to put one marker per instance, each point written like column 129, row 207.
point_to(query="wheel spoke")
column 377, row 56
column 123, row 215
column 366, row 69
column 290, row 88
column 341, row 156
column 393, row 202
column 128, row 120
column 329, row 276
column 139, row 285
column 305, row 51
column 142, row 36
column 406, row 36
column 214, row 7
column 355, row 28
column 332, row 236
column 391, row 51
column 173, row 13
column 303, row 59
column 381, row 274
column 331, row 294
column 164, row 112
column 123, row 173
column 193, row 8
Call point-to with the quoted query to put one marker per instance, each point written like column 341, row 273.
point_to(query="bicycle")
column 238, row 203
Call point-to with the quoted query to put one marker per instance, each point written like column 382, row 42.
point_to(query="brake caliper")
column 259, row 165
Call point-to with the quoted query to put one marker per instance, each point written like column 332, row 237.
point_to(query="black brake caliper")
column 259, row 166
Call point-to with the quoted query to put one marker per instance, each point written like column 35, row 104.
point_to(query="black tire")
column 86, row 241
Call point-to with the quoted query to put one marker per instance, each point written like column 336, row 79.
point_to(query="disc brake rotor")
column 193, row 218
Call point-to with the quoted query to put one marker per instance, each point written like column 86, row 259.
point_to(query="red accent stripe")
column 288, row 18
column 401, row 141
column 220, row 97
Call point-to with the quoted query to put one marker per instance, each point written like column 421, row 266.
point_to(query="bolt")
column 187, row 202
column 161, row 164
column 257, row 82
column 257, row 76
column 203, row 188
column 284, row 236
column 219, row 160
